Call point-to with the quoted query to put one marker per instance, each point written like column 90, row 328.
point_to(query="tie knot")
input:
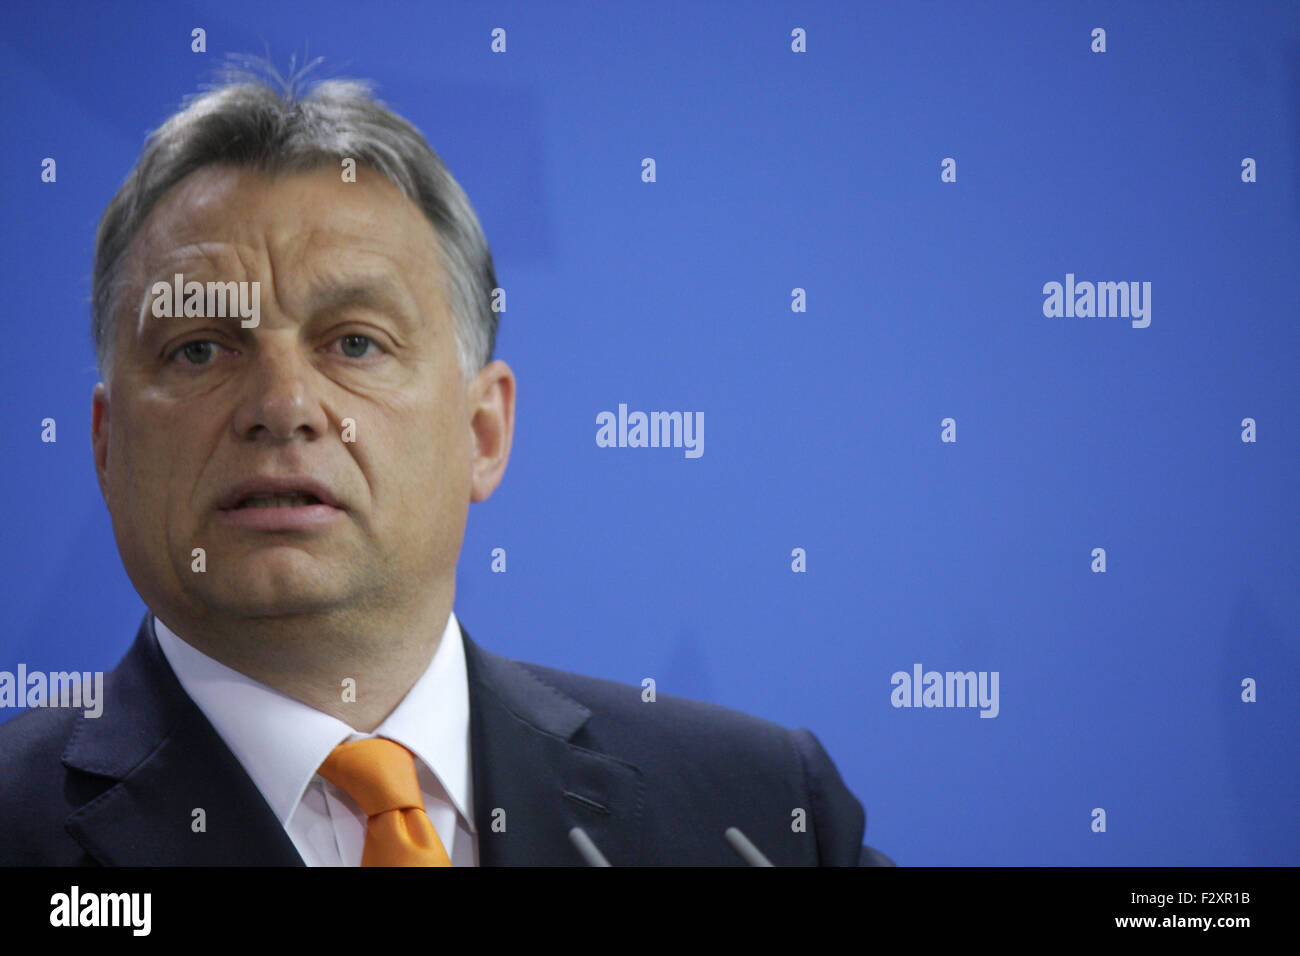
column 379, row 774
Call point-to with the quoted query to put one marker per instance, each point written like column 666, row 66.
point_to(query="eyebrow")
column 380, row 292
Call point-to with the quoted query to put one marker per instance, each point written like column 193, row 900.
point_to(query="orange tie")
column 379, row 774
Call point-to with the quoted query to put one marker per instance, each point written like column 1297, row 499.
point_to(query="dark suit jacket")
column 651, row 783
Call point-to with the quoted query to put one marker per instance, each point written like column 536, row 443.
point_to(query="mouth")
column 288, row 491
column 280, row 504
column 300, row 499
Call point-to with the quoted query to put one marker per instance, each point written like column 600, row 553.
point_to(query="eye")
column 355, row 345
column 197, row 352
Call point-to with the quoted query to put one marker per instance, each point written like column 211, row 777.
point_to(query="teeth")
column 296, row 500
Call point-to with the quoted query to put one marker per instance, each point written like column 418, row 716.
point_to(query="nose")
column 280, row 401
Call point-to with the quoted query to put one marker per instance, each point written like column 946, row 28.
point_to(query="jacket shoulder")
column 39, row 792
column 693, row 725
column 713, row 767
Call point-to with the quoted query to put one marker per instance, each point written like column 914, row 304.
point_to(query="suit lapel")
column 168, row 763
column 532, row 784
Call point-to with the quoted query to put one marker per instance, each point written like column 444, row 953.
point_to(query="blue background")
column 820, row 171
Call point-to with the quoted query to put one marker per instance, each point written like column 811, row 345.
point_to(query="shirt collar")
column 281, row 742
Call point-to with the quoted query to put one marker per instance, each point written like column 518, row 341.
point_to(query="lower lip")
column 300, row 518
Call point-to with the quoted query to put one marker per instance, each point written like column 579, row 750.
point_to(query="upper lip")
column 276, row 486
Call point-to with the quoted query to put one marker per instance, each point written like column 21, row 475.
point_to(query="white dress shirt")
column 281, row 743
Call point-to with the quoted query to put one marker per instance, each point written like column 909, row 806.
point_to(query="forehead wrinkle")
column 144, row 309
column 209, row 249
column 269, row 244
column 206, row 249
column 377, row 289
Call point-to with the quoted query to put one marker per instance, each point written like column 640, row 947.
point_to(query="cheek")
column 428, row 456
column 159, row 458
column 137, row 504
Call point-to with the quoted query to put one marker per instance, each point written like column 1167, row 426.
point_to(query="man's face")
column 353, row 325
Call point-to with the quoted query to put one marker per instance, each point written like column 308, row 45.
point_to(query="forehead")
column 297, row 214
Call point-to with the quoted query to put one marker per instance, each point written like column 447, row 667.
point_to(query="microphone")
column 745, row 849
column 739, row 842
column 587, row 847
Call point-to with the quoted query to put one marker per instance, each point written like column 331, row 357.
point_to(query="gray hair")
column 246, row 121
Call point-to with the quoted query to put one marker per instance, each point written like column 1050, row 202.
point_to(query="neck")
column 354, row 664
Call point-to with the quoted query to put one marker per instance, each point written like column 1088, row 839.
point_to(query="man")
column 292, row 315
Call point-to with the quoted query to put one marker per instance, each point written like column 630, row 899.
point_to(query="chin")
column 273, row 595
column 273, row 606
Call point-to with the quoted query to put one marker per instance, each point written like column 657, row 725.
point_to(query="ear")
column 492, row 419
column 99, row 436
